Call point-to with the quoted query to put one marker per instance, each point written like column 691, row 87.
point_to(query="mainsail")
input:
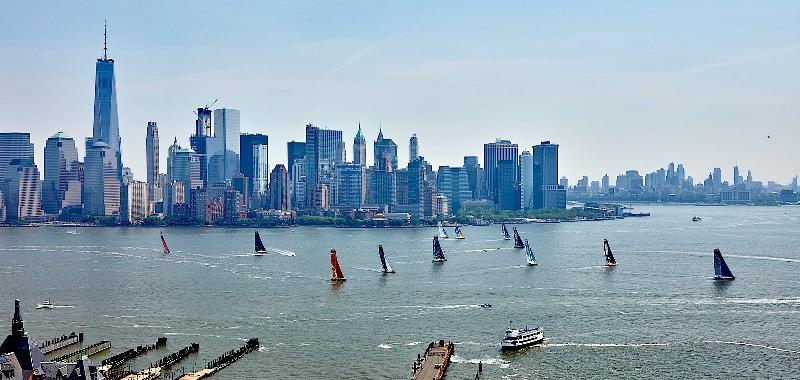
column 438, row 254
column 518, row 240
column 259, row 244
column 721, row 270
column 610, row 261
column 529, row 254
column 442, row 233
column 386, row 267
column 459, row 233
column 506, row 235
column 164, row 243
column 336, row 271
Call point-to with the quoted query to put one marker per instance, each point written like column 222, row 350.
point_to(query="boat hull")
column 504, row 346
column 724, row 278
column 532, row 263
column 439, row 260
column 338, row 279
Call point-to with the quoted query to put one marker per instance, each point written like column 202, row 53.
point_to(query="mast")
column 164, row 244
column 386, row 267
column 336, row 271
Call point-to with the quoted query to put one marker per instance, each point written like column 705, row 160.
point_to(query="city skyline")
column 152, row 86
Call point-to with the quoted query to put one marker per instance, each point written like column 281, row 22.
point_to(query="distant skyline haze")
column 618, row 85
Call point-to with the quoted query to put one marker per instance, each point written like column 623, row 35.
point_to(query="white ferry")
column 516, row 339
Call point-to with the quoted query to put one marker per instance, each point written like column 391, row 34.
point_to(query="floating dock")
column 61, row 342
column 90, row 350
column 434, row 362
column 223, row 361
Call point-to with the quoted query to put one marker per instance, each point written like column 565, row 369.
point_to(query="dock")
column 145, row 374
column 223, row 361
column 61, row 342
column 89, row 350
column 434, row 362
column 154, row 371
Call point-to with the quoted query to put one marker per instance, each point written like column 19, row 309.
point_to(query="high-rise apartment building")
column 526, row 179
column 60, row 167
column 152, row 158
column 135, row 204
column 105, row 126
column 279, row 188
column 23, row 192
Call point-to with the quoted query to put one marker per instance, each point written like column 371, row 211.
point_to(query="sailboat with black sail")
column 506, row 235
column 529, row 254
column 438, row 253
column 164, row 244
column 336, row 270
column 386, row 267
column 721, row 270
column 610, row 261
column 518, row 240
column 260, row 250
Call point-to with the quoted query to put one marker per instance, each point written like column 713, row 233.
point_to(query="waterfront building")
column 234, row 206
column 401, row 178
column 200, row 140
column 385, row 151
column 223, row 149
column 383, row 185
column 297, row 176
column 680, row 173
column 101, row 190
column 240, row 183
column 60, row 167
column 716, row 179
column 605, row 183
column 254, row 161
column 360, row 148
column 295, row 151
column 441, row 206
column 351, row 185
column 324, row 149
column 475, row 177
column 3, row 213
column 135, row 202
column 183, row 165
column 564, row 181
column 413, row 148
column 526, row 179
column 105, row 126
column 14, row 145
column 508, row 191
column 174, row 194
column 453, row 184
column 152, row 157
column 492, row 154
column 23, row 195
column 547, row 193
column 279, row 188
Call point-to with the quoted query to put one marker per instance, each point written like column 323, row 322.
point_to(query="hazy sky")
column 617, row 84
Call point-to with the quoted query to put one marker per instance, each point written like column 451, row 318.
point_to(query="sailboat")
column 721, row 270
column 438, row 254
column 610, row 261
column 506, row 235
column 459, row 233
column 336, row 271
column 529, row 254
column 164, row 243
column 386, row 267
column 518, row 240
column 260, row 250
column 442, row 233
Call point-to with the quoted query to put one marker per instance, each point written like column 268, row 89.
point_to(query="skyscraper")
column 324, row 149
column 385, row 151
column 279, row 188
column 14, row 145
column 101, row 190
column 413, row 148
column 453, row 182
column 223, row 149
column 23, row 195
column 60, row 167
column 183, row 166
column 351, row 185
column 474, row 176
column 295, row 150
column 360, row 148
column 547, row 193
column 492, row 154
column 252, row 145
column 152, row 156
column 105, row 126
column 737, row 179
column 526, row 179
column 508, row 192
column 200, row 140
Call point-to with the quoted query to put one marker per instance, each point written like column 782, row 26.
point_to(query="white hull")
column 532, row 263
column 517, row 339
column 439, row 260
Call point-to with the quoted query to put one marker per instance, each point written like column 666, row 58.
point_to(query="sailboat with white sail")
column 721, row 270
column 518, row 240
column 164, row 244
column 610, row 260
column 336, row 270
column 438, row 253
column 459, row 233
column 529, row 254
column 386, row 267
column 506, row 235
column 259, row 246
column 442, row 233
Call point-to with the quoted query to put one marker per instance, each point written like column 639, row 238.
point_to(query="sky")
column 618, row 84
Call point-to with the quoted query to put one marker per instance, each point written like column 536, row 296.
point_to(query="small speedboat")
column 696, row 219
column 72, row 232
column 486, row 305
column 46, row 305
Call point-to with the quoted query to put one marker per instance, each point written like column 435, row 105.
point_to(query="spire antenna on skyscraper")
column 105, row 39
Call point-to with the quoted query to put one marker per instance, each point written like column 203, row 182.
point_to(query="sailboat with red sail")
column 336, row 270
column 164, row 243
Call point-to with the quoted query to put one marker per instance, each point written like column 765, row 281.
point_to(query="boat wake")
column 754, row 345
column 764, row 301
column 385, row 346
column 603, row 345
column 283, row 252
column 489, row 361
column 413, row 343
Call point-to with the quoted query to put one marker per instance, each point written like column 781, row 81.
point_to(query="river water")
column 658, row 314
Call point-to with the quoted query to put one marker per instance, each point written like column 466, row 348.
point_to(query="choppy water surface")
column 656, row 315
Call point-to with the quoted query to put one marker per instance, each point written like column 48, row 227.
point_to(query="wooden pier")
column 90, row 350
column 223, row 361
column 434, row 362
column 61, row 342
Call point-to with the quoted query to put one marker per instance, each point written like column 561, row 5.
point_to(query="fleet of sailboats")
column 438, row 253
column 518, row 240
column 529, row 254
column 721, row 270
column 260, row 250
column 610, row 260
column 336, row 270
column 164, row 244
column 459, row 233
column 506, row 235
column 386, row 267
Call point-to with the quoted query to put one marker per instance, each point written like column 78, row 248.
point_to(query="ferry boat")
column 386, row 267
column 47, row 304
column 721, row 270
column 260, row 250
column 610, row 261
column 506, row 235
column 531, row 259
column 438, row 253
column 516, row 339
column 518, row 240
column 459, row 233
column 164, row 244
column 336, row 270
column 696, row 219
